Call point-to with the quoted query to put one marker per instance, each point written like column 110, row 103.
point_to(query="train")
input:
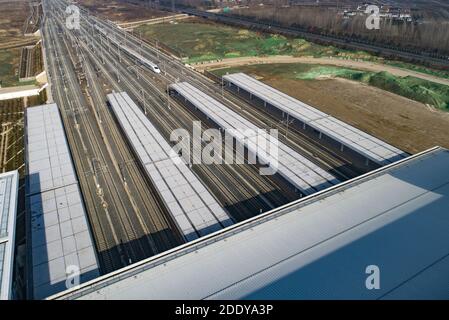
column 151, row 65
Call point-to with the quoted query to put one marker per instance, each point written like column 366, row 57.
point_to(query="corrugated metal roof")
column 9, row 186
column 370, row 147
column 60, row 234
column 395, row 218
column 299, row 171
column 193, row 208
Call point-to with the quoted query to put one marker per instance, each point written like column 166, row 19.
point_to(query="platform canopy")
column 361, row 142
column 302, row 173
column 60, row 237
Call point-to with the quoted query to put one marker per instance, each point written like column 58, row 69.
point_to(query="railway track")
column 102, row 229
column 130, row 238
column 176, row 71
column 123, row 232
column 168, row 121
column 125, row 163
column 240, row 189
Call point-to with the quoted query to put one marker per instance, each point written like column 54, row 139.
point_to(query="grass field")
column 204, row 41
column 9, row 62
column 416, row 89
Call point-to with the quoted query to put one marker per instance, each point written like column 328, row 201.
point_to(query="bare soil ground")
column 404, row 123
column 401, row 122
column 119, row 11
column 12, row 18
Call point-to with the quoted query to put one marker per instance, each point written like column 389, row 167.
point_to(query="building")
column 383, row 235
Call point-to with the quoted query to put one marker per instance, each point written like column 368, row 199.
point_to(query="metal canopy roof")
column 193, row 208
column 60, row 234
column 370, row 147
column 299, row 171
column 319, row 247
column 9, row 186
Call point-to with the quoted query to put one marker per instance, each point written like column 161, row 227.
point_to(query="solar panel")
column 60, row 235
column 368, row 146
column 191, row 205
column 257, row 143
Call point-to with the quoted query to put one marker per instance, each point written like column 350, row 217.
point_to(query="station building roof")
column 395, row 218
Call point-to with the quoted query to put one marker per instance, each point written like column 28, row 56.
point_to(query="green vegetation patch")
column 413, row 88
column 8, row 67
column 328, row 71
column 208, row 41
column 424, row 91
column 203, row 41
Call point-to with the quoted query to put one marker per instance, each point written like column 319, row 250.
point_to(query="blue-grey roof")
column 8, row 211
column 395, row 218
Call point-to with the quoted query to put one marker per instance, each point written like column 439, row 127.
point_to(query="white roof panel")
column 59, row 223
column 48, row 155
column 178, row 187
